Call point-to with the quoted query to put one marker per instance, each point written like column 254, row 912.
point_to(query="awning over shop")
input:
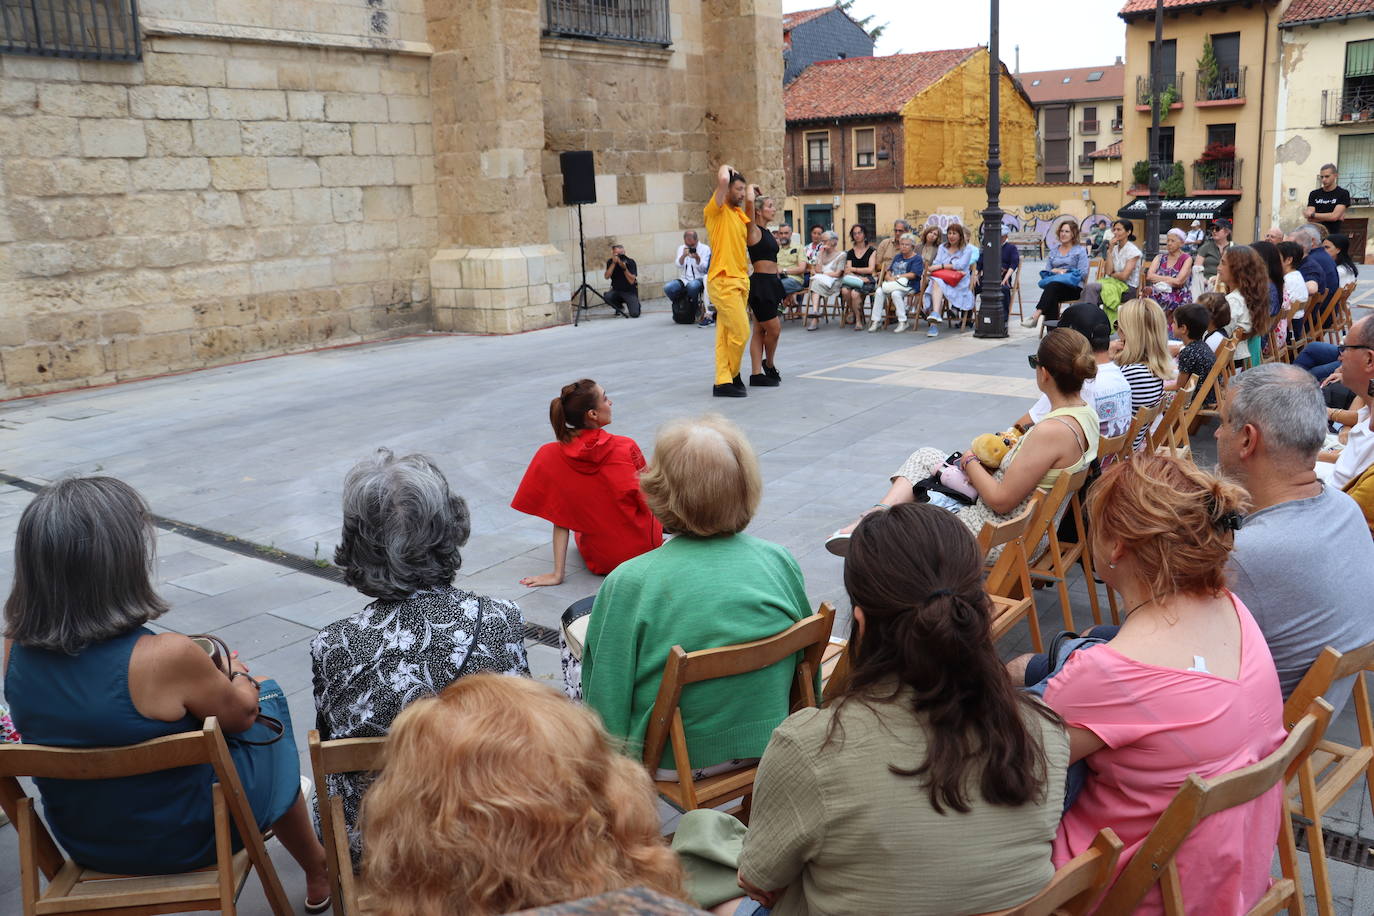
column 1180, row 208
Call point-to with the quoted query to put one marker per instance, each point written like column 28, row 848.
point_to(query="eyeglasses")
column 1033, row 360
column 1343, row 347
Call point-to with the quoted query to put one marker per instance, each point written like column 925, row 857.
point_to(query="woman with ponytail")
column 896, row 796
column 1186, row 685
column 587, row 482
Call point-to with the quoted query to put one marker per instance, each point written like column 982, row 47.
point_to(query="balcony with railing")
column 1085, row 160
column 1089, row 127
column 1226, row 87
column 1218, row 175
column 1170, row 85
column 1116, row 125
column 644, row 21
column 1348, row 106
column 89, row 29
column 816, row 177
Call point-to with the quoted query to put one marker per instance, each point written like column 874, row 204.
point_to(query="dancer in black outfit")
column 765, row 294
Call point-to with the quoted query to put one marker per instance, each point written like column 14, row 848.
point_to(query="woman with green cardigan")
column 709, row 586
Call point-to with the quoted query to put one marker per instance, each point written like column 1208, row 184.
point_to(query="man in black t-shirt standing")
column 1326, row 205
column 623, row 273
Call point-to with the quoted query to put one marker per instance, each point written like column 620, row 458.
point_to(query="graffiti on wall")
column 1040, row 218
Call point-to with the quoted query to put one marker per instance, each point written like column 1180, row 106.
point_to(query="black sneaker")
column 772, row 372
column 729, row 390
column 763, row 381
column 738, row 383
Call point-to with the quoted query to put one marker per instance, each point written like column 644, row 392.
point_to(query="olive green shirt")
column 844, row 834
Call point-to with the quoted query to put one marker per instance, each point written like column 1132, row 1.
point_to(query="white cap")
column 1195, row 223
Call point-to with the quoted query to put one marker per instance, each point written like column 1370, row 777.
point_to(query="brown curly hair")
column 1172, row 517
column 1251, row 278
column 499, row 794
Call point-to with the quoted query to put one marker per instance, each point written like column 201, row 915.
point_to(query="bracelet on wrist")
column 256, row 684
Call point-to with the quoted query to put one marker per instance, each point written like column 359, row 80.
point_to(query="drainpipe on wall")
column 1259, row 142
column 844, row 167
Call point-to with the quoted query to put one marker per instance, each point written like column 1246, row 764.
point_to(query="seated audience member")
column 587, row 482
column 1196, row 359
column 888, row 247
column 1011, row 266
column 1294, row 288
column 1122, row 270
column 83, row 670
column 1194, row 238
column 1284, row 567
column 791, row 264
column 1337, row 245
column 859, row 267
column 928, row 245
column 1320, row 359
column 623, row 273
column 955, row 256
column 827, row 271
column 1340, row 467
column 1144, row 358
column 930, row 756
column 1210, row 251
column 1063, row 442
column 1219, row 317
column 1186, row 686
column 402, row 530
column 1107, row 393
column 901, row 281
column 1247, row 280
column 814, row 245
column 1067, row 266
column 693, row 260
column 453, row 827
column 1169, row 277
column 1317, row 268
column 710, row 586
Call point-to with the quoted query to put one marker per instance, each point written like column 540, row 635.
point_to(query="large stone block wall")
column 218, row 199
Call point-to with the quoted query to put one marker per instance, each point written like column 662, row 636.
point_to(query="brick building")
column 825, row 33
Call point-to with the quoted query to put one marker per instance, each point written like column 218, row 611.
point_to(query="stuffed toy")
column 991, row 449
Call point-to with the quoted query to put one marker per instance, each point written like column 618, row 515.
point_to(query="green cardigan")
column 699, row 593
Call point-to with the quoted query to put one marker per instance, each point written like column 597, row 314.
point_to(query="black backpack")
column 685, row 309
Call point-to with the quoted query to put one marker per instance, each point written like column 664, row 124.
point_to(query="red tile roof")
column 1072, row 84
column 1137, row 8
column 861, row 86
column 1303, row 11
column 1107, row 152
column 792, row 20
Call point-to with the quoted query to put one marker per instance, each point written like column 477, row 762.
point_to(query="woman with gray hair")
column 402, row 530
column 825, row 281
column 83, row 670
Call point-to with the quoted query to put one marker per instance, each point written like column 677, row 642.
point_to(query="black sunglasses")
column 1033, row 360
column 1343, row 347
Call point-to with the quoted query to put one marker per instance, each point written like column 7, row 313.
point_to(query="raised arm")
column 723, row 184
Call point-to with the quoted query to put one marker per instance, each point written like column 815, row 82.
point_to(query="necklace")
column 1138, row 607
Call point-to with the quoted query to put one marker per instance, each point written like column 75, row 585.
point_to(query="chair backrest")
column 1109, row 448
column 996, row 534
column 341, row 755
column 205, row 745
column 808, row 637
column 1075, row 886
column 1144, row 419
column 1222, row 370
column 1154, row 862
column 1014, row 562
column 1328, row 668
column 1094, row 270
column 1164, row 434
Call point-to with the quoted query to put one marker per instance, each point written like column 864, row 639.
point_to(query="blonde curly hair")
column 499, row 794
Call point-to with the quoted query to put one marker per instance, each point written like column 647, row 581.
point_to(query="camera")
column 692, row 250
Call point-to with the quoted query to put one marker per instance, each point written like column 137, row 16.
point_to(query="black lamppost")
column 991, row 320
column 1156, row 93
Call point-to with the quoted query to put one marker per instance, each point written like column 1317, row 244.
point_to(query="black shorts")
column 765, row 295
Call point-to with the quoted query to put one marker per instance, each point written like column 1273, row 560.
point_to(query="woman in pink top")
column 1186, row 686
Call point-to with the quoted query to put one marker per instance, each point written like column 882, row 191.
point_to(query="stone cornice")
column 617, row 51
column 217, row 30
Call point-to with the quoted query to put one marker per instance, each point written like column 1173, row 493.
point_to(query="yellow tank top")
column 1086, row 426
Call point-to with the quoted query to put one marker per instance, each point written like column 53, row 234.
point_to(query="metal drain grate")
column 544, row 636
column 1340, row 847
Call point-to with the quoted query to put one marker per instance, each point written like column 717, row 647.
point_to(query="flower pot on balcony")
column 1345, row 116
column 1223, row 183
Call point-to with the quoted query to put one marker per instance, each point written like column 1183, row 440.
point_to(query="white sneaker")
column 872, row 328
column 934, row 330
column 1030, row 321
column 901, row 326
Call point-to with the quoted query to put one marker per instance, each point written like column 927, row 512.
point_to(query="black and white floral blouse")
column 368, row 667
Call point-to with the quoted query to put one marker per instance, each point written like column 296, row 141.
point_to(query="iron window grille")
column 86, row 29
column 644, row 21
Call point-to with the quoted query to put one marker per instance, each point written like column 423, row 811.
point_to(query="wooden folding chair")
column 1016, row 292
column 1008, row 582
column 1220, row 376
column 1337, row 318
column 74, row 889
column 1058, row 558
column 1075, row 886
column 341, row 755
column 1318, row 316
column 835, row 666
column 1153, row 863
column 1143, row 419
column 1333, row 768
column 1172, row 433
column 809, row 637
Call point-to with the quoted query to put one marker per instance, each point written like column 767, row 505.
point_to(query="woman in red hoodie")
column 588, row 483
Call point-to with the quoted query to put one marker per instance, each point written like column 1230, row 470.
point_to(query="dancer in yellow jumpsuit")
column 727, row 224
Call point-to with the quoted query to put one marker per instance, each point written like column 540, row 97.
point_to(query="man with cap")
column 1210, row 251
column 1109, row 393
column 1194, row 237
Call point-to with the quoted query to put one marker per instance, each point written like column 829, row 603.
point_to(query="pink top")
column 1159, row 725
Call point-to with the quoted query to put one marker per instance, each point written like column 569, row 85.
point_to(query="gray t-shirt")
column 1299, row 566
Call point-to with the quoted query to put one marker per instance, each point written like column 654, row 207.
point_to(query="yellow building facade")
column 1226, row 102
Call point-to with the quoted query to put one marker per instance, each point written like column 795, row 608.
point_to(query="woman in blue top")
column 956, row 255
column 1069, row 260
column 902, row 277
column 82, row 670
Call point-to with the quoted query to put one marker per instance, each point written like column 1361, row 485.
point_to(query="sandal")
column 314, row 908
column 838, row 543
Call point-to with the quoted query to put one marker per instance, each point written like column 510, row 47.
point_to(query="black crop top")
column 765, row 249
column 856, row 261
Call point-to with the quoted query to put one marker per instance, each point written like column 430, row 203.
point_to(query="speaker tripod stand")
column 582, row 291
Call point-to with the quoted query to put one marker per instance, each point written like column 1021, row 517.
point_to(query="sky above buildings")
column 1052, row 33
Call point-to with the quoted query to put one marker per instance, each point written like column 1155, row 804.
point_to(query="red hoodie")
column 591, row 487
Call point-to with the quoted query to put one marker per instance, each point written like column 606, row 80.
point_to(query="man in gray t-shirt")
column 1303, row 552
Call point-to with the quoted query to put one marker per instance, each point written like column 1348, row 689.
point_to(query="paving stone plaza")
column 257, row 452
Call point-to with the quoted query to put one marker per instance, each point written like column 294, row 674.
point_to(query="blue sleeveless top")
column 150, row 824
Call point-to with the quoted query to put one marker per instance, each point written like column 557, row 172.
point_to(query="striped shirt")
column 1147, row 389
